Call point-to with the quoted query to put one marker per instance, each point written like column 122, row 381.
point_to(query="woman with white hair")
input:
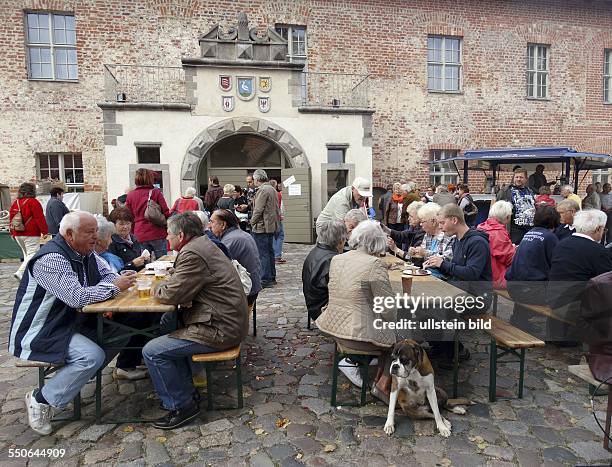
column 356, row 279
column 188, row 202
column 409, row 238
column 227, row 200
column 435, row 242
column 502, row 249
column 352, row 219
column 106, row 229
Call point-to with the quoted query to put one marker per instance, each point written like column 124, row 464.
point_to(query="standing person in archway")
column 188, row 202
column 213, row 194
column 279, row 236
column 151, row 236
column 264, row 223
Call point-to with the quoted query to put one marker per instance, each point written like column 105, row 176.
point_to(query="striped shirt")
column 439, row 244
column 54, row 273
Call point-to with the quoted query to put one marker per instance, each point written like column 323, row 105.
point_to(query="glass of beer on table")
column 144, row 288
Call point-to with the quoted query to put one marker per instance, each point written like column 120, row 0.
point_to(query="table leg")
column 100, row 335
column 608, row 419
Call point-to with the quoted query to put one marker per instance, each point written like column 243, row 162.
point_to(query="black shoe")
column 268, row 284
column 177, row 418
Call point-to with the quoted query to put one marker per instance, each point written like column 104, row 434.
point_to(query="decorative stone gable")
column 242, row 43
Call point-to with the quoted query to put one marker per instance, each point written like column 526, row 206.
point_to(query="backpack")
column 471, row 210
column 244, row 275
column 153, row 213
column 17, row 223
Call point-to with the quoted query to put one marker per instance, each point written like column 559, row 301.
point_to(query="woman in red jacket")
column 502, row 249
column 151, row 236
column 33, row 219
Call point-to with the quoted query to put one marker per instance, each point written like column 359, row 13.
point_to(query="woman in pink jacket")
column 151, row 236
column 502, row 249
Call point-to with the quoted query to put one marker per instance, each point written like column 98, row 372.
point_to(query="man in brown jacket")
column 264, row 224
column 212, row 316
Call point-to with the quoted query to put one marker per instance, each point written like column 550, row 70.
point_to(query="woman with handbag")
column 27, row 223
column 150, row 212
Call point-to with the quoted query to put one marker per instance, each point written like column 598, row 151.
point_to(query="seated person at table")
column 61, row 277
column 124, row 244
column 435, row 242
column 469, row 269
column 315, row 271
column 212, row 317
column 575, row 260
column 502, row 249
column 355, row 278
column 567, row 209
column 105, row 231
column 352, row 220
column 528, row 274
column 241, row 246
column 209, row 233
column 412, row 237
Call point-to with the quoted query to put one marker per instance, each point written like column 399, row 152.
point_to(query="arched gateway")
column 234, row 147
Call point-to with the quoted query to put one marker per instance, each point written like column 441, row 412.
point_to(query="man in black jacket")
column 315, row 272
column 55, row 210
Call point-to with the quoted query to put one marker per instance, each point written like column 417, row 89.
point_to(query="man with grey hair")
column 575, row 260
column 567, row 191
column 443, row 197
column 567, row 209
column 315, row 271
column 350, row 197
column 411, row 193
column 188, row 202
column 353, row 218
column 63, row 276
column 264, row 224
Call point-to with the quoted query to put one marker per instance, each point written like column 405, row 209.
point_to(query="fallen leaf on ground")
column 259, row 431
column 128, row 429
column 282, row 422
column 329, row 448
column 161, row 439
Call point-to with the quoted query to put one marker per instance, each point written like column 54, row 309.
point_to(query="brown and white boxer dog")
column 413, row 381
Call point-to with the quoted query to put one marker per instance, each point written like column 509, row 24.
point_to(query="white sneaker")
column 39, row 415
column 351, row 372
column 132, row 374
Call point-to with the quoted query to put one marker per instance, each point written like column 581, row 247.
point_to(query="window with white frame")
column 65, row 167
column 442, row 174
column 444, row 64
column 601, row 175
column 51, row 46
column 296, row 40
column 608, row 76
column 537, row 71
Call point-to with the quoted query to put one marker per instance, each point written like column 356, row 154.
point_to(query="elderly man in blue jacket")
column 470, row 267
column 63, row 276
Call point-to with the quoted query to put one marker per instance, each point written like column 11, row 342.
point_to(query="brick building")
column 394, row 84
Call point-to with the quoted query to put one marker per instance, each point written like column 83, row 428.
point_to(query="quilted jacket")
column 350, row 311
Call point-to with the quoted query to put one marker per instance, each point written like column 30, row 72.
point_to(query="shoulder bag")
column 153, row 213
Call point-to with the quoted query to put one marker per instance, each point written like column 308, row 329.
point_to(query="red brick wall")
column 387, row 39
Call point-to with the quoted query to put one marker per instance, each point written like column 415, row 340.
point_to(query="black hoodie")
column 470, row 268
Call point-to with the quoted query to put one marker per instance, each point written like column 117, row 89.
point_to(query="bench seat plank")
column 221, row 356
column 506, row 334
column 539, row 309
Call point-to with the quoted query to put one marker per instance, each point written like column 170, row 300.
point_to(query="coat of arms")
column 227, row 103
column 245, row 85
column 265, row 83
column 225, row 82
column 264, row 104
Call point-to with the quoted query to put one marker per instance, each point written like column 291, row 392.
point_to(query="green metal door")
column 298, row 213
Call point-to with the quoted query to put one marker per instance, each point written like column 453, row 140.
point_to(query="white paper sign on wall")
column 295, row 190
column 289, row 181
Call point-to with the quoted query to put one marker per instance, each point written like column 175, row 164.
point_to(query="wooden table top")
column 128, row 301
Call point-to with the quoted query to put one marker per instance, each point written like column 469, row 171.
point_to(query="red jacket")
column 32, row 215
column 137, row 203
column 184, row 204
column 502, row 250
column 541, row 200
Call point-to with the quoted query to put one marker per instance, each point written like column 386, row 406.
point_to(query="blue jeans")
column 278, row 242
column 83, row 359
column 168, row 360
column 265, row 246
column 159, row 247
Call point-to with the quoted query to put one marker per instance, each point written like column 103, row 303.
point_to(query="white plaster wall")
column 177, row 129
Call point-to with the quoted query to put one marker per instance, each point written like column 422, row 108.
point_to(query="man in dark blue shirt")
column 567, row 209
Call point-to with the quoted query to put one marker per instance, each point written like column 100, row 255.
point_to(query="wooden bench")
column 583, row 372
column 45, row 369
column 362, row 359
column 511, row 341
column 539, row 309
column 210, row 361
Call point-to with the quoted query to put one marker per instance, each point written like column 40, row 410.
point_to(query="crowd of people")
column 541, row 251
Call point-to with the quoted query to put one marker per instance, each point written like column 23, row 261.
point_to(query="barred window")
column 444, row 64
column 537, row 71
column 296, row 40
column 65, row 167
column 51, row 46
column 442, row 174
column 608, row 76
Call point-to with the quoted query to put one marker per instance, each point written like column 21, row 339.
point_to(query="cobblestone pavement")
column 287, row 419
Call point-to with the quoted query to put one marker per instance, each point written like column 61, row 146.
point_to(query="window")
column 296, row 41
column 336, row 155
column 602, row 176
column 67, row 168
column 443, row 174
column 336, row 180
column 537, row 71
column 444, row 64
column 148, row 154
column 608, row 76
column 51, row 46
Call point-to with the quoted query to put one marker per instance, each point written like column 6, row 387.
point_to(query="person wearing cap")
column 350, row 197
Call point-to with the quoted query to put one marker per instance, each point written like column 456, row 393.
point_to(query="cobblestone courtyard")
column 287, row 419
